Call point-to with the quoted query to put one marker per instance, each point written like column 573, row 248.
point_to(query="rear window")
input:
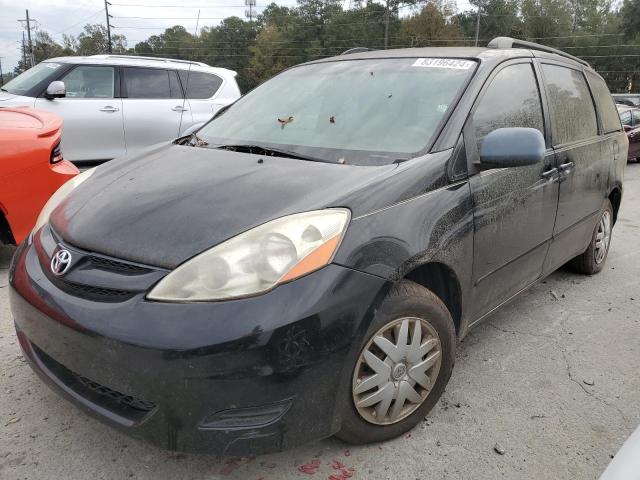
column 573, row 116
column 605, row 103
column 199, row 84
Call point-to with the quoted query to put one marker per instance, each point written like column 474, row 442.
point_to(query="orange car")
column 31, row 168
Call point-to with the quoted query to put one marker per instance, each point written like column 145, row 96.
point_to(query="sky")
column 69, row 16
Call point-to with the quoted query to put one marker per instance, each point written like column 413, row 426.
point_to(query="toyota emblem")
column 61, row 262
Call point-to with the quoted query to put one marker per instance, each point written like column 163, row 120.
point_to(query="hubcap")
column 396, row 370
column 603, row 237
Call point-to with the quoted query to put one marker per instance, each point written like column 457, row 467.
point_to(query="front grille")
column 92, row 275
column 91, row 292
column 102, row 263
column 121, row 398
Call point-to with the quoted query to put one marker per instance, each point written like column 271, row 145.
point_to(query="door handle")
column 179, row 108
column 109, row 109
column 567, row 167
column 549, row 173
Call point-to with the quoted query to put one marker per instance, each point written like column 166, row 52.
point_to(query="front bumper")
column 239, row 377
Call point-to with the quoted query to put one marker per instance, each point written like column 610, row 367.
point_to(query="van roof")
column 140, row 61
column 485, row 54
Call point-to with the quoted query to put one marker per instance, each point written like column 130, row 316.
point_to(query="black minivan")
column 305, row 263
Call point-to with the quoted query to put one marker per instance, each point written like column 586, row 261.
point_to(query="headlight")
column 258, row 260
column 59, row 196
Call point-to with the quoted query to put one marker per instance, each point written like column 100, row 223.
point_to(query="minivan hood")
column 170, row 203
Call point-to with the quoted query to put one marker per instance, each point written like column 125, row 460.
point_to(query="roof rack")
column 357, row 50
column 508, row 42
column 156, row 59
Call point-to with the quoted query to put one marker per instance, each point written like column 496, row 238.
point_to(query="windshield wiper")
column 4, row 89
column 269, row 151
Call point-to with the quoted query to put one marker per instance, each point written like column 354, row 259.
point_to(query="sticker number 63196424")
column 455, row 63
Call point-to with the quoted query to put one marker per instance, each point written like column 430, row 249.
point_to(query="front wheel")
column 402, row 367
column 594, row 257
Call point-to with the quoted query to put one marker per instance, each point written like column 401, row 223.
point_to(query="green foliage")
column 93, row 40
column 280, row 37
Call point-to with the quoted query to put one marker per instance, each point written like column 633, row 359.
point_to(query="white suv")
column 117, row 104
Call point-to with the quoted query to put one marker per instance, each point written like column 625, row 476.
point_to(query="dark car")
column 629, row 99
column 630, row 118
column 305, row 264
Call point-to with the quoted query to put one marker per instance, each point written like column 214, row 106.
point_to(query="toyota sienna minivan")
column 305, row 263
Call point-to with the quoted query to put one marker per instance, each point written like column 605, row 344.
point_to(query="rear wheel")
column 402, row 367
column 594, row 257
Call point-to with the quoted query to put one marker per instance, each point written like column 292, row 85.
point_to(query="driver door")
column 93, row 123
column 514, row 208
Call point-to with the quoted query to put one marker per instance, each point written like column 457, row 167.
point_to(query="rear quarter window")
column 606, row 105
column 199, row 85
column 573, row 115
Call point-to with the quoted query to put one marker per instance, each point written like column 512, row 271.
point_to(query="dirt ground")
column 553, row 377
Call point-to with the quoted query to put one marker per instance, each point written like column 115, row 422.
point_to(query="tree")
column 94, row 40
column 268, row 55
column 45, row 47
column 546, row 18
column 499, row 18
column 174, row 42
column 227, row 45
column 630, row 13
column 430, row 24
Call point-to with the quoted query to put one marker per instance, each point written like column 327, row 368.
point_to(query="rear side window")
column 605, row 103
column 636, row 117
column 199, row 84
column 150, row 83
column 573, row 116
column 89, row 82
column 512, row 100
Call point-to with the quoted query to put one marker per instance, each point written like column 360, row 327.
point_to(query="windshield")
column 354, row 111
column 29, row 79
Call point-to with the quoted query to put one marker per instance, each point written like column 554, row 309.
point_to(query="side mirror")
column 56, row 89
column 512, row 147
column 627, row 128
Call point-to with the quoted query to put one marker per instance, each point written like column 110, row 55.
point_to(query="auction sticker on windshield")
column 454, row 63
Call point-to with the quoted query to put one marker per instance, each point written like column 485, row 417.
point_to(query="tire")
column 411, row 303
column 592, row 260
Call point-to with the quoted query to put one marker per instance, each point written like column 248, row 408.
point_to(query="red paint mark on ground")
column 311, row 467
column 337, row 465
column 344, row 474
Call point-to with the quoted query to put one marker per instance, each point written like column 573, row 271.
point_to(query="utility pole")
column 477, row 26
column 106, row 12
column 24, row 51
column 249, row 11
column 32, row 61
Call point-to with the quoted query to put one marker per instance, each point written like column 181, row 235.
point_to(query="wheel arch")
column 6, row 235
column 444, row 283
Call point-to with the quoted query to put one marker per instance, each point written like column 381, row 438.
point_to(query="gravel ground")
column 552, row 378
